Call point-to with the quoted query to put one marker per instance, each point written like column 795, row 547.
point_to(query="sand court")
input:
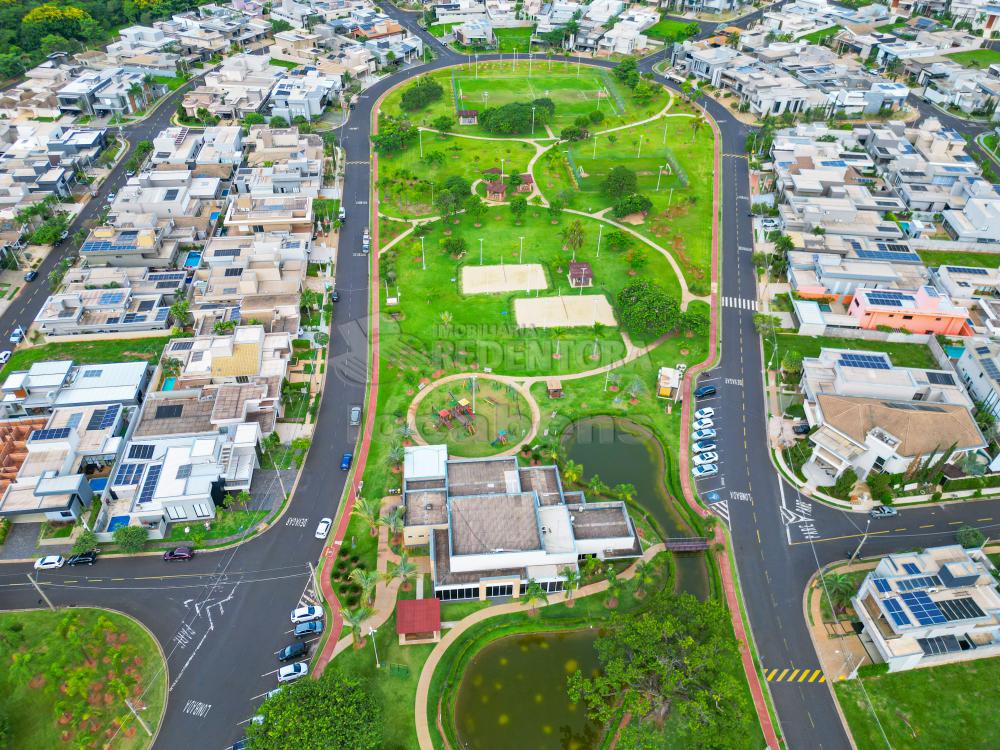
column 498, row 279
column 564, row 312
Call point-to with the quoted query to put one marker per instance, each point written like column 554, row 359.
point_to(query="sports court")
column 497, row 279
column 564, row 312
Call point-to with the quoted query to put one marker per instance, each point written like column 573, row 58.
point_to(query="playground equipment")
column 501, row 439
column 445, row 418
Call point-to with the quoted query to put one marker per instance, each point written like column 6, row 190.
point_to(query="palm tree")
column 571, row 584
column 645, row 575
column 532, row 594
column 696, row 124
column 367, row 509
column 558, row 334
column 591, row 566
column 180, row 311
column 445, row 317
column 404, row 570
column 396, row 454
column 405, row 431
column 171, row 366
column 624, row 492
column 614, row 587
column 572, row 237
column 841, row 588
column 367, row 580
column 572, row 471
column 598, row 330
column 596, row 485
column 354, row 618
column 393, row 522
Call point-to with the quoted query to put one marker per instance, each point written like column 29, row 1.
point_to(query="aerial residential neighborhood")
column 491, row 374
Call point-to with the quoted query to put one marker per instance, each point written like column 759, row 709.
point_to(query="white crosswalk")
column 740, row 303
column 721, row 509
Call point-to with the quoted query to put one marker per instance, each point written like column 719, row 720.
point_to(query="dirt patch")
column 633, row 219
column 36, row 682
column 139, row 355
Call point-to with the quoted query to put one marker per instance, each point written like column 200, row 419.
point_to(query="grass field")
column 89, row 352
column 912, row 713
column 936, row 258
column 902, row 355
column 669, row 29
column 499, row 408
column 817, row 37
column 976, row 58
column 516, row 39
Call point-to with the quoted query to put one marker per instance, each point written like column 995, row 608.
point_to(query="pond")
column 621, row 451
column 513, row 694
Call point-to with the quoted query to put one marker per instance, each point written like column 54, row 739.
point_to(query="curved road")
column 221, row 617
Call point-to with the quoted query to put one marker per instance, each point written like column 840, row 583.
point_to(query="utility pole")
column 864, row 538
column 532, row 120
column 520, row 254
column 40, row 592
column 423, row 258
column 138, row 718
column 501, row 169
column 371, row 634
column 480, row 251
column 600, row 233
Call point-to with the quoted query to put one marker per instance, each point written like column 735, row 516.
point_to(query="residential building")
column 925, row 310
column 37, row 94
column 476, row 32
column 241, row 85
column 102, row 311
column 249, row 215
column 304, row 92
column 47, row 385
column 979, row 365
column 141, row 245
column 938, row 606
column 106, row 93
column 492, row 526
column 978, row 222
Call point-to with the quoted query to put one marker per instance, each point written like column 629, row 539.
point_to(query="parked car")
column 17, row 335
column 883, row 511
column 707, row 413
column 239, row 745
column 355, row 416
column 4, row 356
column 705, row 391
column 178, row 553
column 324, row 528
column 702, row 435
column 31, row 276
column 49, row 562
column 770, row 224
column 703, row 445
column 293, row 651
column 130, row 173
column 342, row 214
column 306, row 614
column 708, row 470
column 801, row 428
column 703, row 424
column 111, row 196
column 306, row 629
column 703, row 459
column 84, row 558
column 335, row 296
column 292, row 672
column 345, row 461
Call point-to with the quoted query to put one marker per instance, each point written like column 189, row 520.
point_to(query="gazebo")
column 527, row 183
column 580, row 274
column 418, row 621
column 496, row 191
column 468, row 117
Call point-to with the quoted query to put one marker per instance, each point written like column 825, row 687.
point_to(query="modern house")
column 925, row 310
column 48, row 385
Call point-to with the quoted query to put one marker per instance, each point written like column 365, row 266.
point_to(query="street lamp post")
column 639, row 152
column 864, row 538
column 423, row 258
column 532, row 120
column 520, row 254
column 477, row 65
column 421, row 135
column 480, row 251
column 600, row 233
column 659, row 174
column 501, row 169
column 595, row 148
column 665, row 123
column 371, row 634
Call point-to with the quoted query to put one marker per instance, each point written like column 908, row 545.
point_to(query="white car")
column 702, row 435
column 49, row 562
column 703, row 459
column 770, row 224
column 707, row 413
column 4, row 356
column 702, row 446
column 17, row 335
column 708, row 470
column 293, row 672
column 306, row 614
column 324, row 528
column 703, row 424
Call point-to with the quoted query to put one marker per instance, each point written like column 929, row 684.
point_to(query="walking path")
column 427, row 672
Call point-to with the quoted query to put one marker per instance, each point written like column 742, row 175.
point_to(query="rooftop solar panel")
column 882, row 585
column 968, row 269
column 940, row 378
column 181, row 346
column 168, row 411
column 944, row 644
column 111, row 298
column 911, row 568
column 866, row 361
column 960, row 609
column 925, row 610
column 895, row 610
column 149, row 486
column 162, row 313
column 128, row 474
column 920, row 582
column 145, row 305
column 57, row 433
column 110, row 415
column 144, row 452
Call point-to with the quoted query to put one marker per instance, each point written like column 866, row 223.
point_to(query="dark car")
column 84, row 558
column 705, row 390
column 31, row 275
column 239, row 745
column 335, row 296
column 306, row 629
column 345, row 461
column 178, row 553
column 293, row 651
column 801, row 429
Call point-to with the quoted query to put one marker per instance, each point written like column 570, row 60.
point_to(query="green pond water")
column 621, row 451
column 513, row 694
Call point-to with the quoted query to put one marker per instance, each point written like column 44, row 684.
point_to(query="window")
column 257, row 228
column 907, row 317
column 552, row 587
column 65, row 514
column 448, row 595
column 201, row 510
column 501, row 590
column 176, row 513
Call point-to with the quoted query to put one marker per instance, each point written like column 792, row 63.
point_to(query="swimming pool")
column 953, row 352
column 193, row 259
column 214, row 215
column 168, row 383
column 117, row 522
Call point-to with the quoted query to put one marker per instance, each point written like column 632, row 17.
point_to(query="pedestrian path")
column 740, row 303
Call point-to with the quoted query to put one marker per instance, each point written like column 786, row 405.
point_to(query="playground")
column 474, row 416
column 495, row 279
column 567, row 311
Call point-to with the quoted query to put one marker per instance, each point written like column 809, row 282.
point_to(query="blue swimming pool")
column 214, row 216
column 117, row 522
column 953, row 352
column 98, row 485
column 193, row 259
column 168, row 383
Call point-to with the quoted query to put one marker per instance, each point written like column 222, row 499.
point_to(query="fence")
column 574, row 171
column 676, row 167
column 610, row 88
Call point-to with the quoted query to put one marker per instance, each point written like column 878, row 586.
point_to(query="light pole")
column 480, row 251
column 600, row 233
column 595, row 148
column 371, row 634
column 530, row 56
column 532, row 120
column 501, row 169
column 477, row 65
column 665, row 123
column 421, row 135
column 520, row 254
column 864, row 538
column 639, row 152
column 423, row 258
column 670, row 198
column 659, row 174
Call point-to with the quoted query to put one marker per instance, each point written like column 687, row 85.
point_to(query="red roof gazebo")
column 418, row 620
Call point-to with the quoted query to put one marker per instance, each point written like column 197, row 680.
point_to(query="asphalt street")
column 222, row 616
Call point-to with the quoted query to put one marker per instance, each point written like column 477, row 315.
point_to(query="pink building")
column 923, row 311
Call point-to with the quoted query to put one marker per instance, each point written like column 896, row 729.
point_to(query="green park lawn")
column 669, row 29
column 901, row 354
column 936, row 258
column 976, row 58
column 89, row 352
column 499, row 411
column 171, row 82
column 516, row 39
column 817, row 37
column 440, row 29
column 284, row 63
column 67, row 674
column 226, row 523
column 912, row 713
column 405, row 179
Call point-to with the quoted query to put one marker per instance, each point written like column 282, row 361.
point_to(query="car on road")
column 130, row 173
column 293, row 651
column 345, row 461
column 334, row 296
column 883, row 511
column 4, row 356
column 703, row 445
column 63, row 235
column 705, row 391
column 707, row 413
column 31, row 276
column 306, row 629
column 703, row 424
column 703, row 435
column 178, row 553
column 324, row 528
column 292, row 672
column 49, row 562
column 306, row 614
column 703, row 459
column 706, row 470
column 801, row 428
column 366, row 240
column 16, row 336
column 84, row 558
column 355, row 416
column 111, row 196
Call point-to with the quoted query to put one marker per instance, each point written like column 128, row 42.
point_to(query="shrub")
column 420, row 94
column 131, row 539
column 970, row 536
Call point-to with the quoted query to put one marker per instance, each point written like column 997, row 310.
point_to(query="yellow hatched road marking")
column 791, row 677
column 782, row 675
column 771, row 674
column 816, row 674
column 805, row 673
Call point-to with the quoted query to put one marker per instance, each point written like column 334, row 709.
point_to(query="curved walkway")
column 427, row 672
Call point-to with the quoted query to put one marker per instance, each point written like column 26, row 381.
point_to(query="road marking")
column 771, row 674
column 844, row 536
column 815, row 675
column 791, row 677
column 980, row 520
column 782, row 675
column 902, row 529
column 721, row 509
column 735, row 381
column 954, row 523
column 197, row 708
column 740, row 303
column 926, row 526
column 273, row 671
column 299, row 522
column 797, row 675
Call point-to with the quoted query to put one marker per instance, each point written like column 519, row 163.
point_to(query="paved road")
column 221, row 617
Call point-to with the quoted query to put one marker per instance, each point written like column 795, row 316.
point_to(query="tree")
column 765, row 324
column 840, row 588
column 443, row 123
column 254, row 118
column 734, row 40
column 621, row 181
column 845, row 483
column 85, row 540
column 533, row 594
column 278, row 122
column 180, row 311
column 404, row 570
column 393, row 521
column 278, row 25
column 696, row 320
column 422, row 92
column 636, row 203
column 645, row 576
column 878, row 485
column 573, row 133
column 791, row 362
column 573, row 236
column 674, row 659
column 354, row 619
column 131, row 539
column 242, row 500
column 618, row 241
column 624, row 492
column 627, row 71
column 366, row 580
column 969, row 537
column 645, row 310
column 596, row 117
column 696, row 124
column 570, row 584
column 367, row 509
column 518, row 207
column 572, row 471
column 393, row 135
column 454, row 246
column 597, row 485
column 171, row 366
column 643, row 91
column 555, row 210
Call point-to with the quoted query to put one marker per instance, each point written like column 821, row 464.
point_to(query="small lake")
column 513, row 694
column 620, row 451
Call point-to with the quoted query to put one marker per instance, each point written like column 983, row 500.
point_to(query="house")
column 493, row 526
column 979, row 367
column 249, row 215
column 938, row 606
column 240, row 85
column 94, row 311
column 146, row 244
column 925, row 310
column 580, row 275
column 113, row 91
column 496, row 191
column 53, row 384
column 475, row 33
column 468, row 117
column 527, row 183
column 978, row 222
column 305, row 93
column 418, row 621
